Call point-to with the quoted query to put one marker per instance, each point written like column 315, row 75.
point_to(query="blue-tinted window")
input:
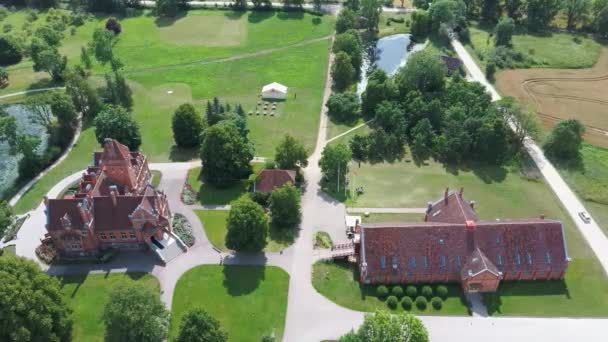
column 442, row 260
column 518, row 259
column 413, row 262
column 382, row 261
column 548, row 258
column 424, row 262
column 499, row 259
column 529, row 258
column 458, row 261
column 394, row 259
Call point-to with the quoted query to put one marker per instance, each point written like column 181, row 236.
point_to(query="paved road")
column 591, row 231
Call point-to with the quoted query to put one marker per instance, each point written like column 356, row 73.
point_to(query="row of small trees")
column 133, row 312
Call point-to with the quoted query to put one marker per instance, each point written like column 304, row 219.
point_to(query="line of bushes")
column 413, row 295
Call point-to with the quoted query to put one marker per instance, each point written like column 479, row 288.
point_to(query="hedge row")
column 412, row 296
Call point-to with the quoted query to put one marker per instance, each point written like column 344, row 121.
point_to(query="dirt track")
column 558, row 94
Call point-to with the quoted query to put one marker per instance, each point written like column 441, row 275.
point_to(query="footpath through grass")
column 214, row 224
column 547, row 50
column 338, row 281
column 249, row 301
column 87, row 295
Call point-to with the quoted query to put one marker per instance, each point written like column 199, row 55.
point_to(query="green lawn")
column 591, row 183
column 338, row 281
column 140, row 45
column 552, row 50
column 387, row 27
column 208, row 194
column 9, row 250
column 86, row 295
column 156, row 177
column 579, row 295
column 214, row 223
column 249, row 301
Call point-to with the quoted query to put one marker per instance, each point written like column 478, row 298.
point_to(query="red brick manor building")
column 453, row 245
column 115, row 207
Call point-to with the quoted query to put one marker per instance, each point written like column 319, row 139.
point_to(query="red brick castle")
column 115, row 207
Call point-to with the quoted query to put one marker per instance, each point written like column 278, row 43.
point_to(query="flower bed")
column 183, row 229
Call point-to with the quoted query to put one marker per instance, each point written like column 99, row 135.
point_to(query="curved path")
column 31, row 91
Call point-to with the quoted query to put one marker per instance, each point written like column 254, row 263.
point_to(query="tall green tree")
column 379, row 88
column 49, row 35
column 503, row 33
column 85, row 98
column 291, row 152
column 565, row 141
column 424, row 72
column 247, row 226
column 102, row 46
column 85, row 58
column 187, row 126
column 490, row 11
column 10, row 50
column 285, row 207
column 359, row 148
column 225, row 154
column 199, row 326
column 370, row 10
column 32, row 307
column 382, row 326
column 350, row 43
column 524, row 122
column 169, row 8
column 541, row 13
column 514, row 8
column 347, row 20
column 114, row 122
column 48, row 59
column 576, row 10
column 6, row 215
column 135, row 313
column 117, row 92
column 601, row 21
column 334, row 164
column 342, row 71
column 421, row 24
column 343, row 107
column 422, row 144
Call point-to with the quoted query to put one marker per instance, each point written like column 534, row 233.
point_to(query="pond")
column 389, row 54
column 9, row 164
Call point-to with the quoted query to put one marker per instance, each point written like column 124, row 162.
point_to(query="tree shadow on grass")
column 179, row 154
column 168, row 21
column 73, row 279
column 241, row 280
column 283, row 236
column 259, row 16
column 287, row 15
column 488, row 173
column 234, row 15
column 43, row 83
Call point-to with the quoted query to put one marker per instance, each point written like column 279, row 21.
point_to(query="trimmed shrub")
column 382, row 291
column 441, row 291
column 406, row 303
column 392, row 302
column 397, row 291
column 112, row 24
column 421, row 302
column 10, row 51
column 436, row 302
column 427, row 291
column 411, row 291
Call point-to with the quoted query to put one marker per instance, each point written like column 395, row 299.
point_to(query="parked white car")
column 584, row 216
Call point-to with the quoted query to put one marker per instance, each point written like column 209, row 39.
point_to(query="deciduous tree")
column 350, row 43
column 285, row 208
column 359, row 147
column 514, row 8
column 32, row 307
column 247, row 226
column 135, row 313
column 424, row 72
column 225, row 154
column 347, row 20
column 541, row 13
column 342, row 72
column 503, row 32
column 199, row 326
column 565, row 141
column 343, row 107
column 382, row 326
column 490, row 11
column 334, row 164
column 187, row 126
column 169, row 8
column 6, row 216
column 84, row 97
column 10, row 50
column 114, row 122
column 576, row 10
column 370, row 10
column 290, row 153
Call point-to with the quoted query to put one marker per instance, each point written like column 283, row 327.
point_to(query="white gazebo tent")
column 274, row 90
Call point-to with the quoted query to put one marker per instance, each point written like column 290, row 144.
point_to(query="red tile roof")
column 270, row 179
column 446, row 251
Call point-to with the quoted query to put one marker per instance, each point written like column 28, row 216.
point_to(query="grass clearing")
column 208, row 194
column 193, row 30
column 214, row 223
column 552, row 50
column 9, row 250
column 338, row 281
column 393, row 23
column 86, row 295
column 249, row 301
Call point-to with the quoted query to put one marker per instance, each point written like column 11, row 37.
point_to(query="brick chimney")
column 445, row 195
column 542, row 216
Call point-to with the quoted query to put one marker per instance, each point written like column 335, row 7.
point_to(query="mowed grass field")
column 551, row 50
column 86, row 295
column 164, row 74
column 559, row 94
column 249, row 301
